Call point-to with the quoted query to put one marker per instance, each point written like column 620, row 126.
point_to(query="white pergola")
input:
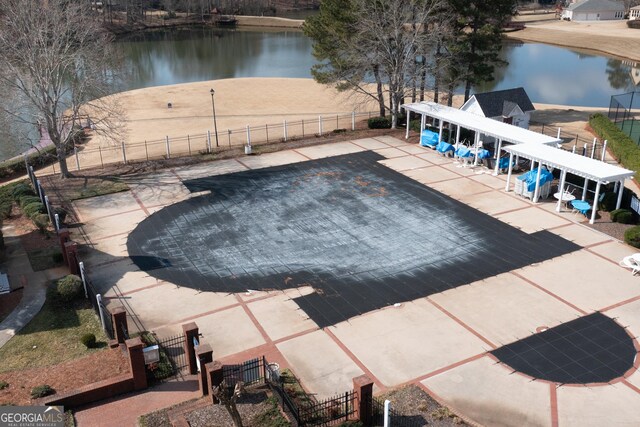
column 530, row 145
column 568, row 162
column 502, row 132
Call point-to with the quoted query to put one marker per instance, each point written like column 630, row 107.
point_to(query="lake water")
column 550, row 74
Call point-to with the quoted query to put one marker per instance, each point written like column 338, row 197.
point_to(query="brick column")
column 136, row 361
column 72, row 257
column 214, row 377
column 363, row 386
column 63, row 237
column 190, row 331
column 205, row 355
column 119, row 322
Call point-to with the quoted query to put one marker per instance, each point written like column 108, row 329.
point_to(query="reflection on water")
column 550, row 74
column 188, row 55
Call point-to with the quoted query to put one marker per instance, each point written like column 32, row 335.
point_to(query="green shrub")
column 608, row 202
column 633, row 23
column 379, row 123
column 22, row 189
column 414, row 125
column 632, row 236
column 42, row 391
column 5, row 209
column 14, row 167
column 3, row 385
column 623, row 216
column 623, row 148
column 69, row 288
column 89, row 340
column 33, row 209
column 41, row 221
column 28, row 199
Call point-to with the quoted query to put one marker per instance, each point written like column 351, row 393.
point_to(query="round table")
column 566, row 198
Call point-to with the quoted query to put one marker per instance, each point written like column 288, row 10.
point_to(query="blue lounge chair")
column 429, row 138
column 583, row 207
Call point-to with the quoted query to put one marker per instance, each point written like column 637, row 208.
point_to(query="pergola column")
column 406, row 135
column 497, row 169
column 536, row 193
column 423, row 122
column 457, row 137
column 594, row 208
column 620, row 192
column 506, row 188
column 440, row 129
column 563, row 177
column 477, row 139
column 584, row 189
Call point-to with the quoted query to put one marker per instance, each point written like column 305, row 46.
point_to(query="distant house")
column 594, row 10
column 511, row 106
column 634, row 13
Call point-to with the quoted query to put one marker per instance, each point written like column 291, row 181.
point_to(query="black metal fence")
column 96, row 301
column 173, row 348
column 624, row 111
column 330, row 411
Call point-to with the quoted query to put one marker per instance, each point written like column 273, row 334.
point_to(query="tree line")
column 393, row 50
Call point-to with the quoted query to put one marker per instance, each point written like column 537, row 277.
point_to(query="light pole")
column 213, row 106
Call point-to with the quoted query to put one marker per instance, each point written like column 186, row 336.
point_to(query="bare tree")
column 229, row 396
column 55, row 58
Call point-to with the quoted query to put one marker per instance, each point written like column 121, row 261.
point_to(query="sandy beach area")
column 607, row 37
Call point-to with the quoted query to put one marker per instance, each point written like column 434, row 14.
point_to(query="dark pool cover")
column 590, row 349
column 363, row 235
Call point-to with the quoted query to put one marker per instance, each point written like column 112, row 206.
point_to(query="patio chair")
column 583, row 207
column 445, row 149
column 631, row 262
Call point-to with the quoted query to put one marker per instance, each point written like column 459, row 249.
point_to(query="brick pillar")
column 214, row 377
column 63, row 237
column 190, row 331
column 72, row 257
column 363, row 386
column 205, row 355
column 136, row 362
column 119, row 322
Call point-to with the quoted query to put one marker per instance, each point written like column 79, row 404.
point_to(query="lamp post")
column 213, row 106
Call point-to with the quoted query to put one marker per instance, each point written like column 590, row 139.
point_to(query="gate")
column 173, row 349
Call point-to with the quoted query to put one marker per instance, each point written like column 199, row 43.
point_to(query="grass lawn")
column 53, row 336
column 45, row 258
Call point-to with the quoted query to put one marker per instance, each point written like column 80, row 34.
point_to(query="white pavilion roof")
column 484, row 125
column 576, row 164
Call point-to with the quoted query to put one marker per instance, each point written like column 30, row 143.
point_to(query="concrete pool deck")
column 440, row 342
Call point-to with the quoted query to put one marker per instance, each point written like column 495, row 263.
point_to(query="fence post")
column 214, row 377
column 75, row 153
column 542, row 131
column 205, row 356
column 320, row 125
column 593, row 150
column 84, row 279
column 168, row 149
column 337, row 122
column 585, row 149
column 285, row 130
column 353, row 120
column 190, row 331
column 119, row 322
column 303, row 128
column 63, row 238
column 100, row 312
column 124, row 156
column 266, row 130
column 39, row 190
column 363, row 387
column 56, row 218
column 189, row 144
column 248, row 136
column 604, row 150
column 146, row 149
column 208, row 141
column 136, row 362
column 101, row 162
column 49, row 210
column 559, row 129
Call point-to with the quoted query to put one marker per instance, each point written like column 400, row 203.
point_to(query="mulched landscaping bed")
column 64, row 377
column 418, row 407
column 8, row 302
column 613, row 229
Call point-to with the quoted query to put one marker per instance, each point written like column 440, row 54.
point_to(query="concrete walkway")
column 20, row 273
